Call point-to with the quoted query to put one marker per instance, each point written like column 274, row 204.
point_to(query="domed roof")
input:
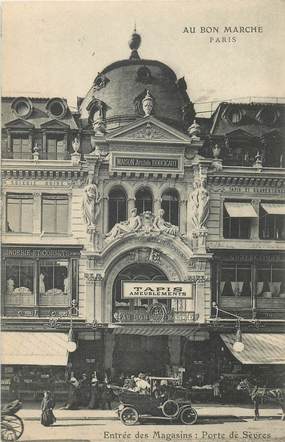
column 121, row 86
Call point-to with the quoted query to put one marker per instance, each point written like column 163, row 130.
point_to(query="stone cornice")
column 273, row 178
column 234, row 244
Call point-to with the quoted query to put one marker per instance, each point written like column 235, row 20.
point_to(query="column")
column 131, row 205
column 200, row 300
column 37, row 222
column 98, row 297
column 254, row 231
column 105, row 215
column 90, row 297
column 156, row 205
column 182, row 216
column 44, row 155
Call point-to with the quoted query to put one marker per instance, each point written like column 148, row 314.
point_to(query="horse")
column 259, row 394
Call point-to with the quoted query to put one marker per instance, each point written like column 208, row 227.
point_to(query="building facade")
column 128, row 218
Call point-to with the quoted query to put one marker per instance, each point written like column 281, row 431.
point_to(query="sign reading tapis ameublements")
column 152, row 289
column 153, row 162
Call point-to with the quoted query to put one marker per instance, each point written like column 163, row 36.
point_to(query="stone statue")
column 90, row 206
column 199, row 204
column 159, row 224
column 131, row 225
column 147, row 104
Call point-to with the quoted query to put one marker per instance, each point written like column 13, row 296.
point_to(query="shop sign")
column 158, row 290
column 147, row 162
column 155, row 163
column 24, row 252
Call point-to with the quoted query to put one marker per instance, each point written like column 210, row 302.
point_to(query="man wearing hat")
column 142, row 386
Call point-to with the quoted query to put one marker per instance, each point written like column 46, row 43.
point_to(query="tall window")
column 21, row 147
column 144, row 200
column 55, row 214
column 117, row 206
column 237, row 218
column 19, row 217
column 272, row 221
column 170, row 206
column 55, row 148
column 54, row 277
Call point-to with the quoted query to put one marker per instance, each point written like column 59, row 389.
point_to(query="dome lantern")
column 134, row 44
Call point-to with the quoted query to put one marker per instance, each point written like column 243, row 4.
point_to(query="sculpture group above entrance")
column 146, row 223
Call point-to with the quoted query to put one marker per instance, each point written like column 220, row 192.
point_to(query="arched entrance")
column 133, row 354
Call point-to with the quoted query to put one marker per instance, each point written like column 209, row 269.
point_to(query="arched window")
column 170, row 206
column 143, row 200
column 117, row 206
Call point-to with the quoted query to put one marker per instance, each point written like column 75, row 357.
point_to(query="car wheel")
column 170, row 408
column 188, row 416
column 129, row 416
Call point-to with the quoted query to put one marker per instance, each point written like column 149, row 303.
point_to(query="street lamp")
column 71, row 343
column 238, row 345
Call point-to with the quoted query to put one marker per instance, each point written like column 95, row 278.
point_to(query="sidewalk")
column 204, row 410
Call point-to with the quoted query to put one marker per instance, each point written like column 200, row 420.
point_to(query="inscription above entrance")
column 151, row 163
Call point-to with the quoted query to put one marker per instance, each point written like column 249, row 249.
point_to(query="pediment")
column 239, row 133
column 149, row 129
column 19, row 123
column 54, row 124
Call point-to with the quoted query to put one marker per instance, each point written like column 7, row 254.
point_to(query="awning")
column 31, row 348
column 240, row 210
column 274, row 209
column 160, row 330
column 261, row 348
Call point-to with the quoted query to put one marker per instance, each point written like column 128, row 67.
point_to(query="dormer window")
column 22, row 107
column 56, row 107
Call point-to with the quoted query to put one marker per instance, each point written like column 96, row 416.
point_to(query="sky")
column 57, row 48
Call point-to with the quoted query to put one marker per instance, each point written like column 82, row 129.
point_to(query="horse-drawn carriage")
column 165, row 399
column 12, row 426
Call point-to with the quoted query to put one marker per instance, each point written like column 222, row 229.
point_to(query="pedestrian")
column 73, row 394
column 47, row 406
column 84, row 390
column 216, row 390
column 94, row 392
column 106, row 396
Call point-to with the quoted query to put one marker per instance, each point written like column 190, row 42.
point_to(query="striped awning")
column 31, row 348
column 260, row 348
column 240, row 210
column 274, row 208
column 160, row 330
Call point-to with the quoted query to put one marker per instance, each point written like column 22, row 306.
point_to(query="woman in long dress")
column 47, row 406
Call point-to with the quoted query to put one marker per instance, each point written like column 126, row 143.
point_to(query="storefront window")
column 19, row 277
column 117, row 207
column 170, row 206
column 40, row 284
column 270, row 281
column 54, row 277
column 144, row 200
column 235, row 280
column 19, row 213
column 55, row 214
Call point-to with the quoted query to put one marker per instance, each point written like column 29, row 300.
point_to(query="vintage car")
column 165, row 399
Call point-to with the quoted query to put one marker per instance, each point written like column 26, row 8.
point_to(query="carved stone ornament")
column 148, row 132
column 90, row 206
column 147, row 104
column 75, row 145
column 145, row 224
column 199, row 204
